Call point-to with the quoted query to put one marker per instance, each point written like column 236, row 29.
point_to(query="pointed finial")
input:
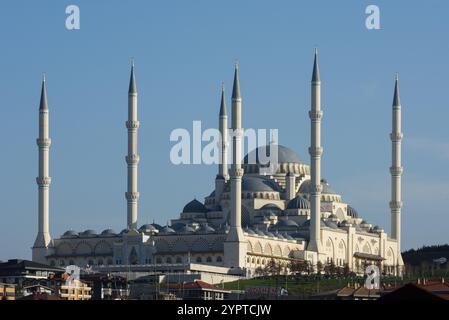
column 396, row 77
column 223, row 111
column 43, row 105
column 396, row 97
column 236, row 87
column 132, row 80
column 316, row 69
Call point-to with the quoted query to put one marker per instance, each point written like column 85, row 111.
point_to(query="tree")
column 319, row 267
column 298, row 266
column 259, row 271
column 346, row 269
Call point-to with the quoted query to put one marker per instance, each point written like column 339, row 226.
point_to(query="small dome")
column 148, row 228
column 286, row 223
column 345, row 223
column 259, row 232
column 279, row 235
column 287, row 236
column 269, row 234
column 205, row 228
column 167, row 230
column 298, row 202
column 352, row 212
column 194, row 206
column 249, row 231
column 124, row 231
column 88, row 233
column 70, row 234
column 307, row 224
column 186, row 229
column 108, row 232
column 331, row 224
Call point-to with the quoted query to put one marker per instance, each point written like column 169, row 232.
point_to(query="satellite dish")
column 73, row 272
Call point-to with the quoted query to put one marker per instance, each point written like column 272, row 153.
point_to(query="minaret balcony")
column 395, row 205
column 315, row 152
column 315, row 115
column 396, row 171
column 43, row 181
column 131, row 124
column 132, row 159
column 43, row 142
column 133, row 196
column 396, row 136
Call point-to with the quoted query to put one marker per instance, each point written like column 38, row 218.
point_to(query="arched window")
column 199, row 260
column 62, row 263
column 52, row 263
column 158, row 260
column 91, row 262
column 178, row 260
column 208, row 259
column 71, row 262
column 169, row 260
column 219, row 259
column 109, row 261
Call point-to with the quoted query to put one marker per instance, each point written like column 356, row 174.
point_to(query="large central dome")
column 285, row 155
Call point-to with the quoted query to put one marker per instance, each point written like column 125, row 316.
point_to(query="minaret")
column 222, row 175
column 315, row 152
column 290, row 190
column 132, row 159
column 43, row 239
column 235, row 244
column 396, row 170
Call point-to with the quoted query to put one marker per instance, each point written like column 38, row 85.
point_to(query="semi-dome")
column 285, row 155
column 352, row 212
column 306, row 187
column 108, row 232
column 331, row 224
column 70, row 234
column 194, row 206
column 298, row 202
column 88, row 233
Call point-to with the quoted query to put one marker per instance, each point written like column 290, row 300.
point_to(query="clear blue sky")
column 183, row 50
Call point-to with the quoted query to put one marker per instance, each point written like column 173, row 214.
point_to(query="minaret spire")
column 43, row 239
column 132, row 159
column 315, row 152
column 396, row 170
column 235, row 244
column 222, row 175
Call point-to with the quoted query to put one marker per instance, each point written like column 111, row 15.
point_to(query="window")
column 178, row 260
column 199, row 260
column 169, row 260
column 159, row 260
column 71, row 262
column 100, row 262
column 62, row 263
column 109, row 261
column 219, row 259
column 52, row 263
column 208, row 259
column 91, row 262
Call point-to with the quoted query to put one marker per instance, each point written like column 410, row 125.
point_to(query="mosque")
column 250, row 218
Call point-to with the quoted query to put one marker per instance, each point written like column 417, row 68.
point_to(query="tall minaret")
column 132, row 159
column 235, row 244
column 222, row 175
column 396, row 169
column 315, row 152
column 43, row 239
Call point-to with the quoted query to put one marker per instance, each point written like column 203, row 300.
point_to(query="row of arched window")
column 90, row 262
